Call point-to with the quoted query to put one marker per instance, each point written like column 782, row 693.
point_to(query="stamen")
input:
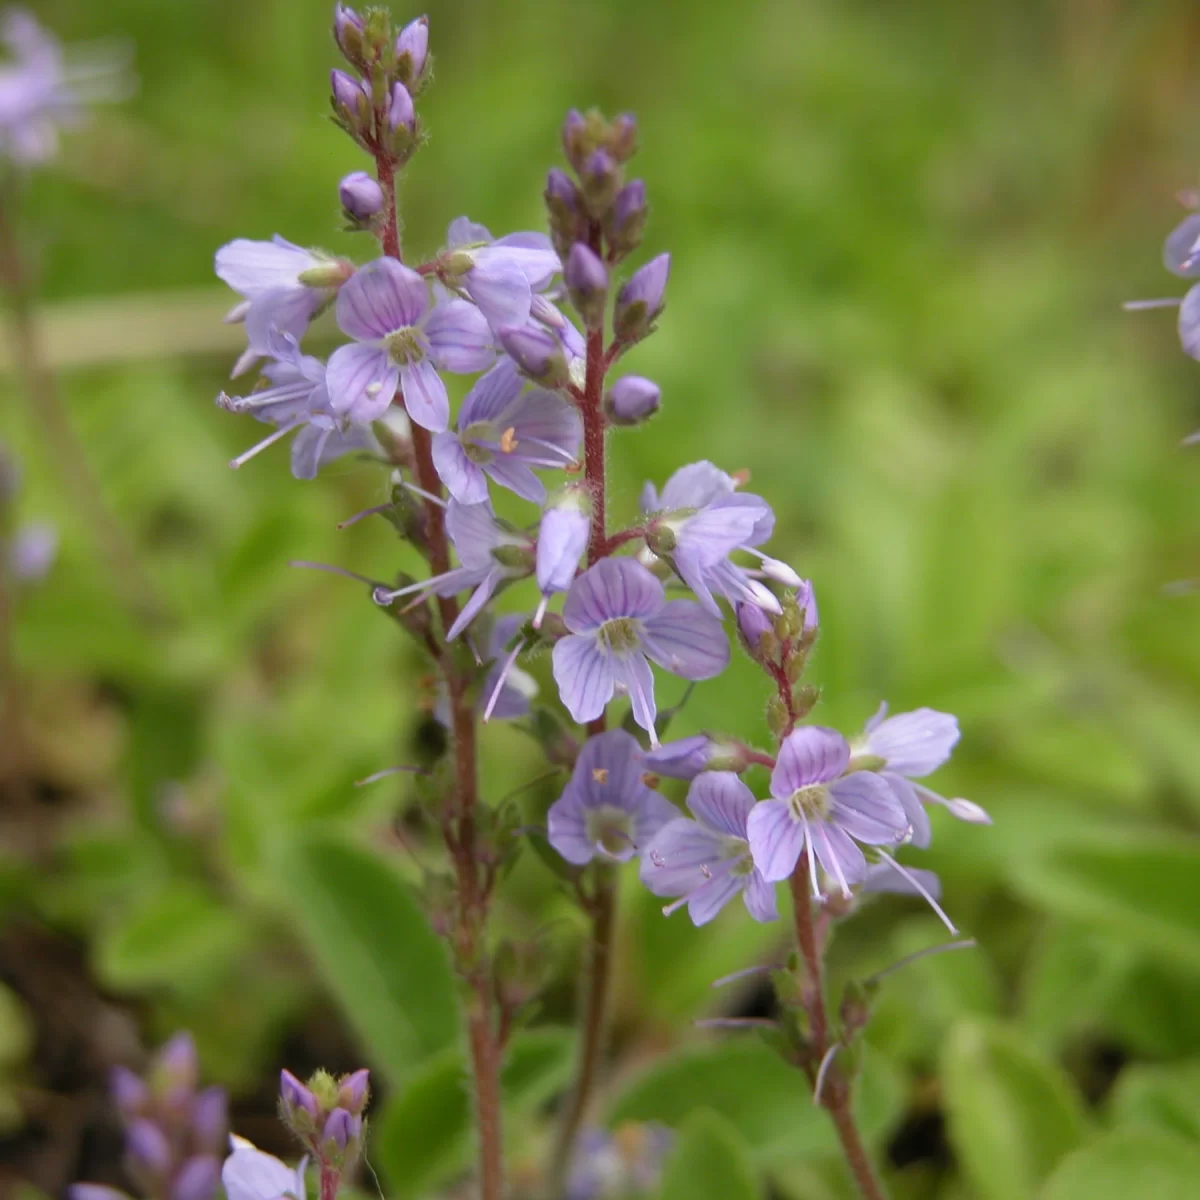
column 508, row 440
column 412, row 487
column 600, row 774
column 641, row 695
column 735, row 1023
column 366, row 512
column 270, row 440
column 921, row 890
column 387, row 771
column 1140, row 305
column 812, row 858
column 541, row 611
column 504, row 670
column 916, row 956
column 745, row 973
column 332, row 570
column 823, row 1070
column 837, row 866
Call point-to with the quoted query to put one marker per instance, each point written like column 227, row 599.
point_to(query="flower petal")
column 282, row 310
column 491, row 394
column 479, row 597
column 914, row 810
column 460, row 339
column 652, row 812
column 810, row 754
column 694, row 486
column 776, row 839
column 632, row 672
column 501, row 290
column 541, row 415
column 705, row 903
column 425, row 398
column 463, row 231
column 361, row 382
column 584, row 674
column 720, row 800
column 516, row 477
column 566, row 826
column 464, row 480
column 759, row 896
column 533, row 253
column 380, row 298
column 866, row 807
column 676, row 859
column 251, row 267
column 914, row 743
column 249, row 1174
column 472, row 529
column 687, row 641
column 614, row 587
column 883, row 877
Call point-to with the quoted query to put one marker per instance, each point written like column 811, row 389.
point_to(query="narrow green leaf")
column 423, row 1138
column 1128, row 1165
column 711, row 1161
column 1012, row 1114
column 374, row 948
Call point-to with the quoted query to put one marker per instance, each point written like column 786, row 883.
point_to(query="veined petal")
column 566, row 826
column 692, row 572
column 473, row 530
column 516, row 477
column 282, row 310
column 708, row 900
column 462, row 231
column 361, row 381
column 652, row 812
column 866, row 807
column 759, row 896
column 541, row 415
column 694, row 486
column 491, row 394
column 810, row 754
column 464, row 480
column 501, row 290
column 380, row 298
column 720, row 800
column 716, row 531
column 584, row 674
column 307, row 448
column 479, row 597
column 675, row 861
column 913, row 743
column 609, row 771
column 614, row 587
column 776, row 839
column 251, row 267
column 562, row 539
column 686, row 641
column 425, row 398
column 632, row 672
column 460, row 339
column 914, row 810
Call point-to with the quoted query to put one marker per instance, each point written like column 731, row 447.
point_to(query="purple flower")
column 499, row 274
column 697, row 522
column 250, row 1174
column 282, row 286
column 361, row 196
column 909, row 746
column 503, row 433
column 491, row 553
column 606, row 810
column 632, row 400
column 706, row 862
column 298, row 400
column 562, row 539
column 619, row 617
column 353, row 1090
column 147, row 1150
column 819, row 810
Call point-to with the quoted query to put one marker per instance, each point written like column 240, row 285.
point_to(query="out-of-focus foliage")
column 901, row 236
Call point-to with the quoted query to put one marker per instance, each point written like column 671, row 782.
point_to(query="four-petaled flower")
column 619, row 618
column 819, row 810
column 606, row 811
column 706, row 862
column 252, row 1174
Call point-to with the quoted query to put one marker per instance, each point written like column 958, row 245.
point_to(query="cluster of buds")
column 175, row 1132
column 374, row 105
column 326, row 1115
column 781, row 646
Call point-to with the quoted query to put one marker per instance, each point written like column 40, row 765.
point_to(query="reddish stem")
column 330, row 1178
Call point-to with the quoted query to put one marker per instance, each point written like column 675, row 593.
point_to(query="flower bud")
column 575, row 138
column 778, row 717
column 632, row 400
column 412, row 51
column 148, row 1152
column 197, row 1178
column 401, row 114
column 129, row 1092
column 300, row 1107
column 537, row 353
column 348, row 33
column 600, row 179
column 347, row 91
column 627, row 218
column 341, row 1128
column 587, row 284
column 354, row 1090
column 563, row 206
column 622, row 137
column 175, row 1065
column 210, row 1119
column 641, row 300
column 757, row 633
column 361, row 196
column 351, row 104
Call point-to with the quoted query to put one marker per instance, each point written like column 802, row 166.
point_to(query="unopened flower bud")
column 537, row 353
column 806, row 599
column 401, row 114
column 805, row 700
column 210, row 1119
column 351, row 104
column 632, row 400
column 587, row 284
column 361, row 196
column 175, row 1065
column 575, row 137
column 148, row 1151
column 298, row 1102
column 128, row 1091
column 197, row 1178
column 622, row 137
column 627, row 218
column 347, row 91
column 600, row 179
column 778, row 717
column 412, row 51
column 641, row 300
column 341, row 1128
column 348, row 33
column 564, row 208
column 354, row 1090
column 756, row 633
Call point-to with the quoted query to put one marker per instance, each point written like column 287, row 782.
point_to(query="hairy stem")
column 472, row 887
column 836, row 1092
column 330, row 1179
column 45, row 404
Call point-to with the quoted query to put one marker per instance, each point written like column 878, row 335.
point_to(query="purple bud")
column 94, row 1191
column 197, row 1178
column 574, row 137
column 563, row 206
column 632, row 400
column 347, row 91
column 210, row 1119
column 361, row 196
column 128, row 1091
column 622, row 137
column 537, row 352
column 147, row 1149
column 806, row 598
column 753, row 624
column 341, row 1128
column 354, row 1090
column 684, row 759
column 600, row 177
column 296, row 1097
column 348, row 33
column 560, row 190
column 627, row 221
column 587, row 284
column 641, row 299
column 401, row 114
column 175, row 1065
column 413, row 41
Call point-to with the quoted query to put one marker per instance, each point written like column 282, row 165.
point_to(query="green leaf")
column 1166, row 1097
column 1012, row 1115
column 710, row 1162
column 768, row 1102
column 16, row 1028
column 171, row 938
column 1144, row 886
column 376, row 952
column 424, row 1136
column 1127, row 1165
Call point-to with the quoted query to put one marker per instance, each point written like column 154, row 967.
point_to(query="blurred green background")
column 901, row 235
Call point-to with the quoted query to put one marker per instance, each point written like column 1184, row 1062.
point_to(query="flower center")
column 403, row 346
column 620, row 635
column 810, row 803
column 611, row 829
column 737, row 849
column 472, row 438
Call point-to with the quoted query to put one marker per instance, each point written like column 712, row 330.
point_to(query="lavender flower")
column 706, row 862
column 587, row 284
column 400, row 344
column 251, row 1174
column 619, row 617
column 298, row 400
column 606, row 811
column 818, row 809
column 562, row 539
column 698, row 521
column 501, row 274
column 282, row 286
column 491, row 553
column 504, row 432
column 909, row 746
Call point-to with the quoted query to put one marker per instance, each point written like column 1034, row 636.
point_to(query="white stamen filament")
column 745, row 973
column 921, row 890
column 366, row 512
column 387, row 771
column 823, row 1070
column 412, row 487
column 331, row 570
column 509, row 663
column 541, row 610
column 1141, row 305
column 837, row 866
column 270, row 440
